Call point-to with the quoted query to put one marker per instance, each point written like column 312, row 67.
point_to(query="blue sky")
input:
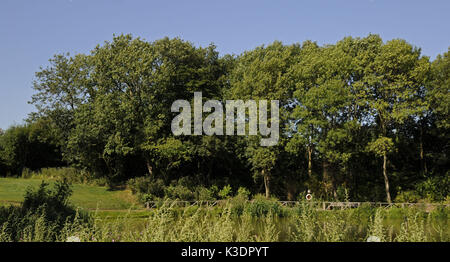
column 33, row 31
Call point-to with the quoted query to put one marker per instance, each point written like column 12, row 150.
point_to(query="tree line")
column 361, row 117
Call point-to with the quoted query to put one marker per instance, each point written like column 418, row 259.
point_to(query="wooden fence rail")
column 324, row 205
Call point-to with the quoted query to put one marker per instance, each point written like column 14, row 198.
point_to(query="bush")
column 204, row 194
column 225, row 192
column 215, row 191
column 179, row 192
column 240, row 201
column 156, row 188
column 186, row 182
column 243, row 192
column 42, row 216
column 342, row 194
column 407, row 197
column 138, row 184
column 148, row 189
column 364, row 212
column 435, row 188
column 261, row 206
column 146, row 185
column 55, row 202
column 440, row 212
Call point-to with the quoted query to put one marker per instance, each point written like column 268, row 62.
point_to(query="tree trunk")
column 386, row 180
column 291, row 190
column 325, row 176
column 266, row 183
column 309, row 160
column 423, row 164
column 328, row 179
column 149, row 167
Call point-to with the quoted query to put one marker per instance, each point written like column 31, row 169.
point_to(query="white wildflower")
column 373, row 239
column 73, row 239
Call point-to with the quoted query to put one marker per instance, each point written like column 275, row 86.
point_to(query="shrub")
column 138, row 184
column 243, row 192
column 186, row 182
column 215, row 191
column 261, row 206
column 412, row 229
column 238, row 204
column 440, row 212
column 225, row 192
column 42, row 216
column 144, row 198
column 447, row 200
column 376, row 229
column 146, row 185
column 364, row 212
column 147, row 189
column 204, row 194
column 156, row 188
column 435, row 188
column 304, row 222
column 407, row 197
column 179, row 192
column 55, row 202
column 342, row 194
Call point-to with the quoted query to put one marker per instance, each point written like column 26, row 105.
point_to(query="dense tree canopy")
column 362, row 116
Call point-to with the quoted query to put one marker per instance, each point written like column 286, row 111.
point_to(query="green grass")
column 12, row 191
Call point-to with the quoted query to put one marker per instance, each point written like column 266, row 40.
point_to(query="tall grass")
column 169, row 223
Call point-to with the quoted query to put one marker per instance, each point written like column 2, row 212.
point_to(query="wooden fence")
column 318, row 204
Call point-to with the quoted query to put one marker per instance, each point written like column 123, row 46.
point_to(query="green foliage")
column 381, row 146
column 27, row 146
column 407, row 197
column 149, row 189
column 434, row 189
column 243, row 192
column 70, row 174
column 342, row 105
column 167, row 222
column 412, row 229
column 439, row 95
column 225, row 192
column 146, row 188
column 179, row 192
column 147, row 185
column 204, row 194
column 305, row 218
column 42, row 216
column 376, row 227
column 261, row 206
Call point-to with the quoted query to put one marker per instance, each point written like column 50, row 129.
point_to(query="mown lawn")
column 12, row 191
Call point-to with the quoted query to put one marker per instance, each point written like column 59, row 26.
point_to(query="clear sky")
column 33, row 31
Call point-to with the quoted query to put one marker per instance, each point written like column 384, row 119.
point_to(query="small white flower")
column 373, row 239
column 73, row 239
